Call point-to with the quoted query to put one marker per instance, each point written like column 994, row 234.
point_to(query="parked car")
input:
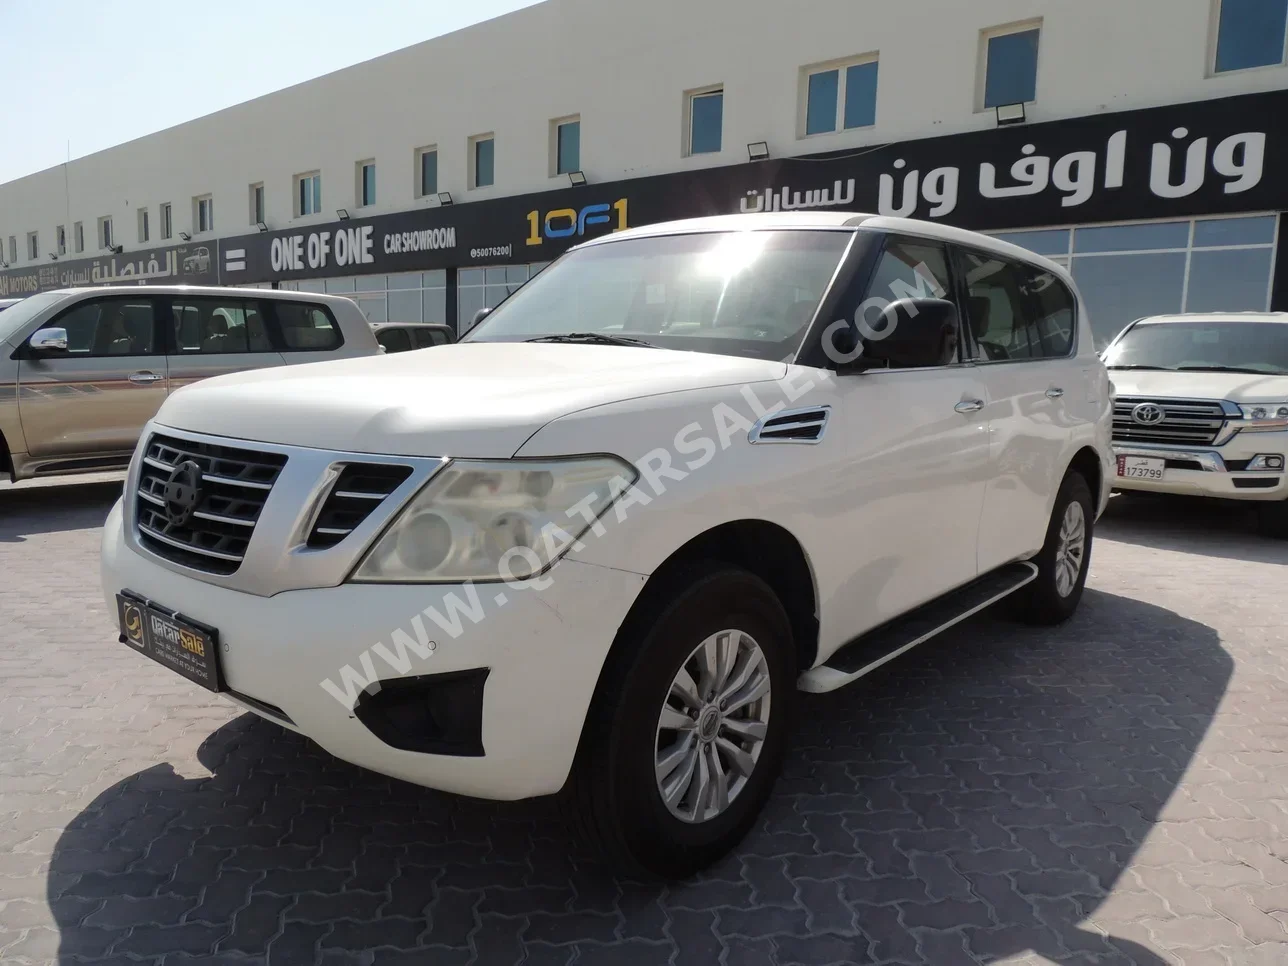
column 5, row 303
column 1202, row 408
column 404, row 336
column 198, row 261
column 82, row 370
column 597, row 547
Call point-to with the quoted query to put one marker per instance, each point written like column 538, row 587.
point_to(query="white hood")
column 471, row 400
column 1235, row 386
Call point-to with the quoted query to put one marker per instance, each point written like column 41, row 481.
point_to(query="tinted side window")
column 307, row 328
column 997, row 307
column 394, row 340
column 429, row 337
column 910, row 269
column 1053, row 308
column 209, row 326
column 109, row 327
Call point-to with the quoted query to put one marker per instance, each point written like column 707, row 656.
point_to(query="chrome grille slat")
column 358, row 490
column 235, row 483
column 1200, row 422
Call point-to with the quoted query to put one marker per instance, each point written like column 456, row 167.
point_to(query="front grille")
column 234, row 485
column 1185, row 421
column 359, row 489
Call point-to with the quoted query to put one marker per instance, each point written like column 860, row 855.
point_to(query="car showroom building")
column 1143, row 145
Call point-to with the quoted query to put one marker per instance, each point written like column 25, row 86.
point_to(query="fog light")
column 1266, row 461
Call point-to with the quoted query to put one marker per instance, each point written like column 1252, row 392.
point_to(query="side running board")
column 867, row 653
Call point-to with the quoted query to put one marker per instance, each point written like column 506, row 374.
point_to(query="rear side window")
column 429, row 337
column 997, row 306
column 214, row 326
column 1054, row 313
column 394, row 340
column 109, row 327
column 307, row 328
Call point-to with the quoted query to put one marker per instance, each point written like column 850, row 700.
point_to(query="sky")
column 101, row 72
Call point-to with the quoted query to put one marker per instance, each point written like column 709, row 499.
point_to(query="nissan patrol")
column 597, row 547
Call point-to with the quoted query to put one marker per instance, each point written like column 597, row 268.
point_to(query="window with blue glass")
column 1250, row 33
column 484, row 161
column 366, row 183
column 567, row 146
column 427, row 179
column 706, row 121
column 1011, row 67
column 841, row 97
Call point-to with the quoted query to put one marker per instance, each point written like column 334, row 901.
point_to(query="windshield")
column 747, row 293
column 1246, row 346
column 16, row 316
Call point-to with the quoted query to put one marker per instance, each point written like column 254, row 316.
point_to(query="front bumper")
column 543, row 650
column 1214, row 472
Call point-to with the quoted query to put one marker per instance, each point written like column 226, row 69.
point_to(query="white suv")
column 599, row 545
column 1201, row 408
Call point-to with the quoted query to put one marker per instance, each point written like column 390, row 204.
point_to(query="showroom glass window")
column 706, row 122
column 841, row 97
column 1128, row 271
column 1250, row 33
column 1011, row 67
column 405, row 297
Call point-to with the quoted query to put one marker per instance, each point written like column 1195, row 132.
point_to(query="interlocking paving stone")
column 1114, row 790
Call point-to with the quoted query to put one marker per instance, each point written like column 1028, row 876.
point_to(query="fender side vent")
column 359, row 489
column 792, row 426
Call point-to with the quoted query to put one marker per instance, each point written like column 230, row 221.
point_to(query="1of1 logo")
column 567, row 222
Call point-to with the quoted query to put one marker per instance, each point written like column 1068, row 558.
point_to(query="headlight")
column 1258, row 417
column 492, row 520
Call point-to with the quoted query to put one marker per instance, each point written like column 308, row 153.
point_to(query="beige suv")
column 82, row 370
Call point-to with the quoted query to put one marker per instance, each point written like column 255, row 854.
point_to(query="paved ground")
column 1112, row 791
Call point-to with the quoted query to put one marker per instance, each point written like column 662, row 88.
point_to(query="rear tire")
column 1065, row 558
column 1273, row 519
column 629, row 753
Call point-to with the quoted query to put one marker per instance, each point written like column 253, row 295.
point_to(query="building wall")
column 624, row 68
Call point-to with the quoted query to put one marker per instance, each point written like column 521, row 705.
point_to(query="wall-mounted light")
column 114, row 249
column 758, row 151
column 342, row 214
column 53, row 256
column 1010, row 114
column 261, row 226
column 576, row 178
column 185, row 236
column 444, row 197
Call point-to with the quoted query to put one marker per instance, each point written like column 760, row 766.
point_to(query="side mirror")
column 479, row 316
column 49, row 340
column 909, row 334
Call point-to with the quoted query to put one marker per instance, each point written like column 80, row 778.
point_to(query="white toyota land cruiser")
column 1202, row 408
column 599, row 545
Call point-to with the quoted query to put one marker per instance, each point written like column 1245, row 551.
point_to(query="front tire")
column 689, row 726
column 1053, row 596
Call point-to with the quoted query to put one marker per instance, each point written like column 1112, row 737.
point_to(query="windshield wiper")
column 1152, row 368
column 592, row 338
column 1251, row 372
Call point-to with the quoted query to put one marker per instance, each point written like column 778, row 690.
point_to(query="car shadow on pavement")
column 978, row 798
column 1211, row 528
column 28, row 510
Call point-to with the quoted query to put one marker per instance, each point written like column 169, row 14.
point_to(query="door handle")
column 969, row 406
column 1055, row 392
column 145, row 377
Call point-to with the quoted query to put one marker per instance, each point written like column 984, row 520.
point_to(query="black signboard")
column 191, row 263
column 1208, row 157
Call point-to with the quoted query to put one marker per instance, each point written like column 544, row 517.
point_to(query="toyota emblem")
column 182, row 493
column 1147, row 414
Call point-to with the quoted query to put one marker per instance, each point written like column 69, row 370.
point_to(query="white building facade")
column 1145, row 144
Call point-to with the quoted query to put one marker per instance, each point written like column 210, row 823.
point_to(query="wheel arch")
column 1087, row 463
